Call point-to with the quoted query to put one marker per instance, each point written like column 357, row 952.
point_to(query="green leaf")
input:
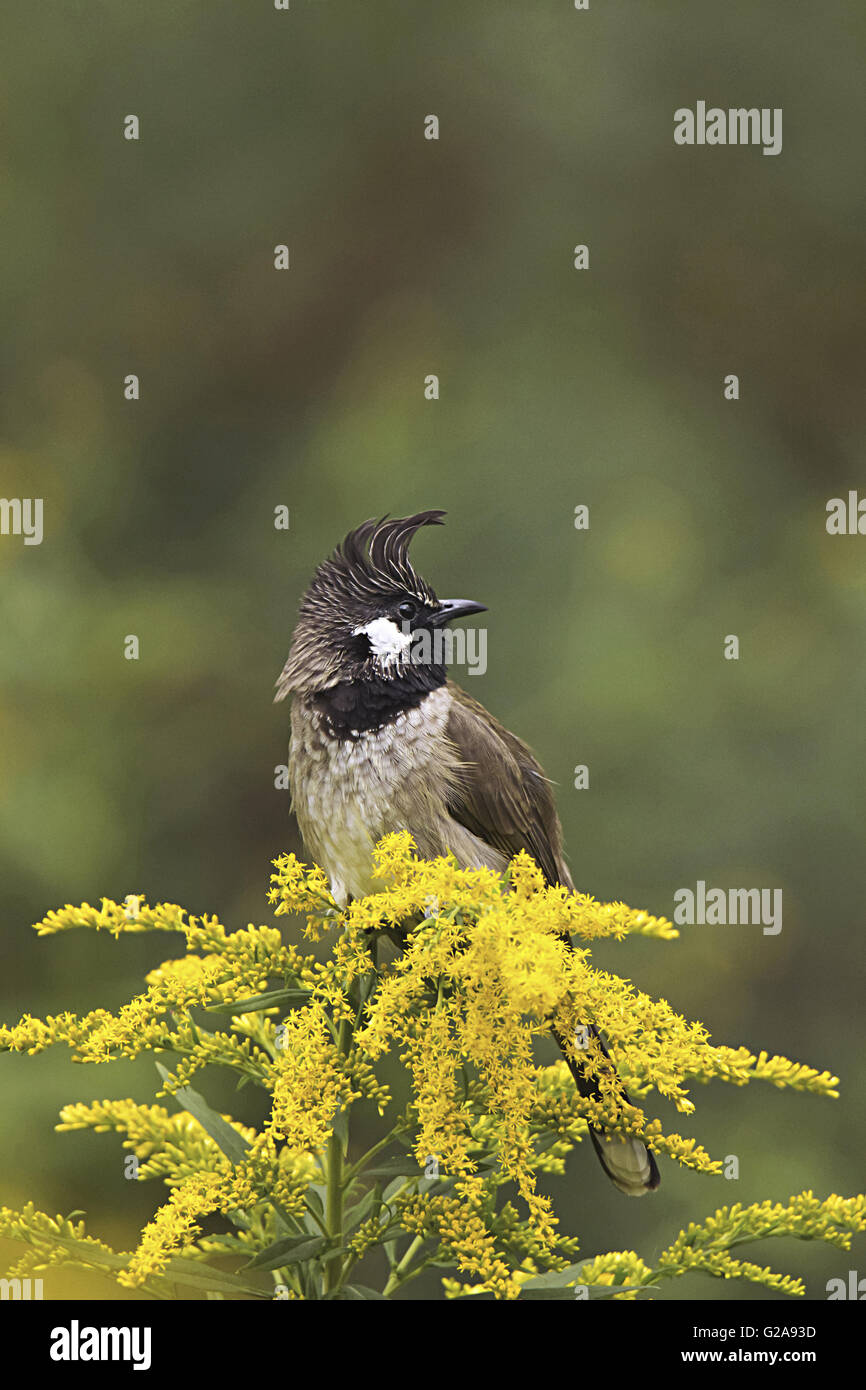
column 485, row 1162
column 313, row 1218
column 354, row 1292
column 232, row 1144
column 87, row 1256
column 593, row 1294
column 441, row 1184
column 553, row 1285
column 288, row 1251
column 179, row 1270
column 546, row 1295
column 407, row 1167
column 359, row 1212
column 197, row 1275
column 315, row 1198
column 393, row 1188
column 391, row 1233
column 293, row 997
column 555, row 1279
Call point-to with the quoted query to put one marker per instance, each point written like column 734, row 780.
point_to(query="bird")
column 382, row 742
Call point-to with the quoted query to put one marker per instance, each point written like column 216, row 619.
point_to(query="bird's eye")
column 407, row 610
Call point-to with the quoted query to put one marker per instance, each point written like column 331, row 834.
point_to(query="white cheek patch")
column 386, row 640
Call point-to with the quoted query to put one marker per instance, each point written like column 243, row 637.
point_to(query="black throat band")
column 360, row 707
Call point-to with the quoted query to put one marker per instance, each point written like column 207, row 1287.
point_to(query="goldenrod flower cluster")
column 458, row 974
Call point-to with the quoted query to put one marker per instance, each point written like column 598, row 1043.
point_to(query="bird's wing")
column 501, row 794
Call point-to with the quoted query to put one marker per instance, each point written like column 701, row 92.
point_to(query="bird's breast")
column 349, row 792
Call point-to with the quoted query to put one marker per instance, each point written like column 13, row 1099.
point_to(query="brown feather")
column 503, row 796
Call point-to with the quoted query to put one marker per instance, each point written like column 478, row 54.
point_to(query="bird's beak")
column 451, row 608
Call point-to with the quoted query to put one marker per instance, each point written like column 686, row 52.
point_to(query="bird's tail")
column 627, row 1162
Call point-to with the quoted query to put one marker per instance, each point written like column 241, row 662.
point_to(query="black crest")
column 374, row 561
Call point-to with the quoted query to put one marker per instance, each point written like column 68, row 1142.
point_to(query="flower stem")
column 396, row 1276
column 335, row 1185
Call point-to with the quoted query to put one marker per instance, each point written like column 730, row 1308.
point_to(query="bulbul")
column 382, row 741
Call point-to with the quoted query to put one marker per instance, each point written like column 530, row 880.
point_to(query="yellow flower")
column 174, row 1226
column 483, row 973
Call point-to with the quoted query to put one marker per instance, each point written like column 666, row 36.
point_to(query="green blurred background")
column 558, row 387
